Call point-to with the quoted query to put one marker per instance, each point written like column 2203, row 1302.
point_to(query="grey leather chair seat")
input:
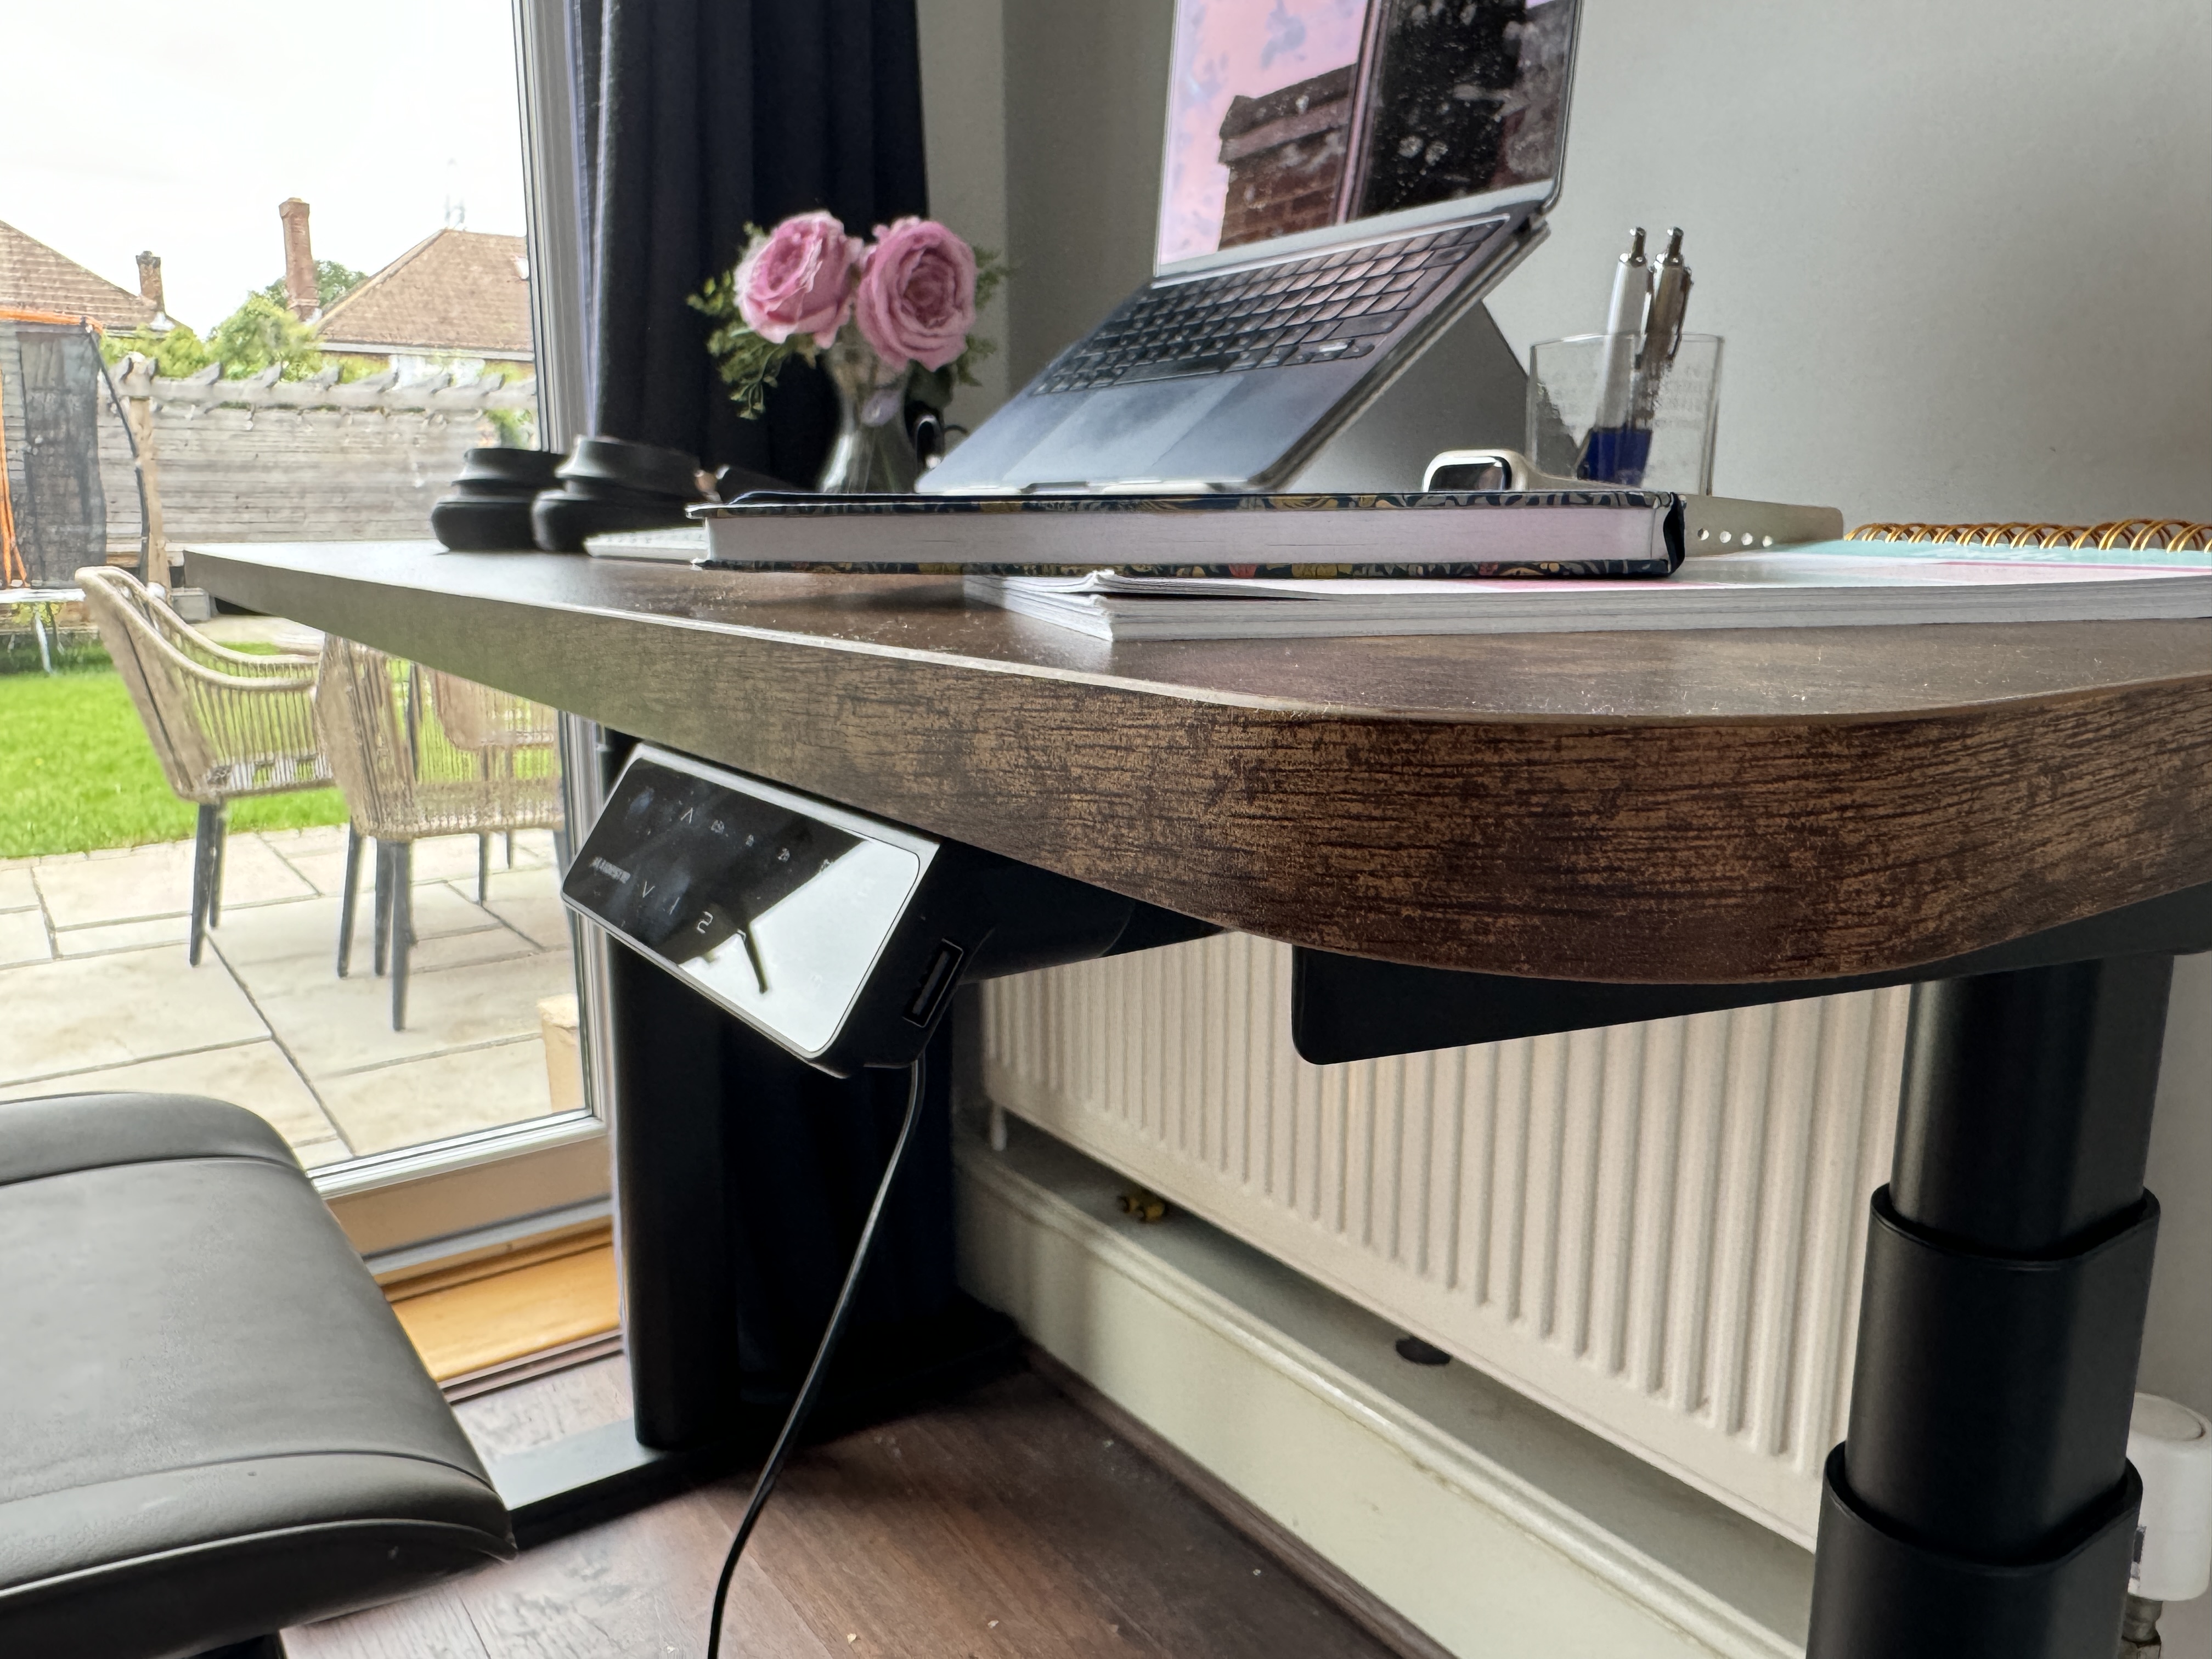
column 211, row 1425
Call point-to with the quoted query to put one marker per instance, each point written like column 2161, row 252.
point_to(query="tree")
column 333, row 281
column 263, row 332
column 177, row 353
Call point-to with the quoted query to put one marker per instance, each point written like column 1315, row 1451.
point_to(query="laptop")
column 1342, row 178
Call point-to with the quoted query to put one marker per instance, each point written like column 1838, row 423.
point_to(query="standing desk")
column 1475, row 836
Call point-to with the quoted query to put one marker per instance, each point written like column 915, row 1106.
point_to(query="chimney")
column 299, row 259
column 149, row 282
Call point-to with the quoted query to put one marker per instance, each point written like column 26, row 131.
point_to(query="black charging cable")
column 795, row 1424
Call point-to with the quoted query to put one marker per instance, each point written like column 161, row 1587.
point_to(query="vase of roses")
column 888, row 321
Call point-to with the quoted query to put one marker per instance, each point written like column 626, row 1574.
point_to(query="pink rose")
column 797, row 279
column 917, row 298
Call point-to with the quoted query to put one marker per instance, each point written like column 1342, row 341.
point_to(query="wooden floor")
column 1009, row 1523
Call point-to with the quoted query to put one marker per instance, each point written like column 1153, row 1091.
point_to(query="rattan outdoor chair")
column 405, row 779
column 497, row 728
column 224, row 725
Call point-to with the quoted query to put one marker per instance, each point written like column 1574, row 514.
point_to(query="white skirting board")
column 1495, row 1526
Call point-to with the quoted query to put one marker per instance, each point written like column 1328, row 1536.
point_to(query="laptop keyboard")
column 1322, row 309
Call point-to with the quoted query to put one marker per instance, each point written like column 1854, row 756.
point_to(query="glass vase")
column 872, row 453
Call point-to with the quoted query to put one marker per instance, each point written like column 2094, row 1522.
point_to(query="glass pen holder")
column 1595, row 412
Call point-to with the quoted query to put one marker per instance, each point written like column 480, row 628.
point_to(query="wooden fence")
column 266, row 460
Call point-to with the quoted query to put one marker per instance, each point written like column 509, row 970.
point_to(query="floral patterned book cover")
column 1596, row 532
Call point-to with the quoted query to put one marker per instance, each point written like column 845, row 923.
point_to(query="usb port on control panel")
column 943, row 972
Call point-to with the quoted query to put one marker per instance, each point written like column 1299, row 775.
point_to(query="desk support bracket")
column 1982, row 1504
column 1346, row 1008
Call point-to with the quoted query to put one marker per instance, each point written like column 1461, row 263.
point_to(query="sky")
column 178, row 127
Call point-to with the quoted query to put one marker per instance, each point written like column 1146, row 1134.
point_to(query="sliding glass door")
column 285, row 317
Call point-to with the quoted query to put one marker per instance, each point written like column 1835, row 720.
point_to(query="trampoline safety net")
column 51, row 404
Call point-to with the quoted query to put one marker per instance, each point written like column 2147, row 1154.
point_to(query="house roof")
column 458, row 291
column 35, row 277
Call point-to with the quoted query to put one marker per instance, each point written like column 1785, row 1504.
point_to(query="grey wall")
column 963, row 54
column 1958, row 251
column 1961, row 254
column 1066, row 101
column 1086, row 110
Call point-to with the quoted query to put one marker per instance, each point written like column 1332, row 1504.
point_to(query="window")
column 281, row 312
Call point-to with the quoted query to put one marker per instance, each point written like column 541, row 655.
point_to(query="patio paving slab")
column 307, row 932
column 254, row 1075
column 443, row 906
column 303, row 936
column 120, row 1008
column 441, row 1095
column 157, row 881
column 84, row 1013
column 326, row 871
column 539, row 917
column 23, row 938
column 124, row 936
column 445, row 858
column 524, row 881
column 334, row 1025
column 307, row 838
column 493, row 944
column 453, row 858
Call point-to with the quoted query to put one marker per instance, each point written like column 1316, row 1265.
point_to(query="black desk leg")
column 1981, row 1506
column 678, row 1324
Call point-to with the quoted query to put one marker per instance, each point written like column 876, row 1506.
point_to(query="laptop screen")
column 1289, row 117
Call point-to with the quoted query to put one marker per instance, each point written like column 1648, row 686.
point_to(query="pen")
column 1663, row 329
column 1624, row 323
column 1603, row 457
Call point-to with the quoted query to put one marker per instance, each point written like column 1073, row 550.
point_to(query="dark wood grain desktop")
column 1754, row 809
column 1758, row 804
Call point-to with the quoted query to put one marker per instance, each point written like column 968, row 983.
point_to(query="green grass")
column 77, row 774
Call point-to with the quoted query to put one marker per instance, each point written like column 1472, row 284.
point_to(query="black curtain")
column 696, row 116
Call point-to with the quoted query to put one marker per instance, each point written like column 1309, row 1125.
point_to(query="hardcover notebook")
column 1580, row 534
column 1826, row 585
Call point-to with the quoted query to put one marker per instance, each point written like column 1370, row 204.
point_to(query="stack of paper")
column 1824, row 585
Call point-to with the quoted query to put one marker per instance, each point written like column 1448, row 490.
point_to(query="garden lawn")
column 77, row 774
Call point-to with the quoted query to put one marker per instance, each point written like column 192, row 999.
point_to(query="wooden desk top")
column 1669, row 807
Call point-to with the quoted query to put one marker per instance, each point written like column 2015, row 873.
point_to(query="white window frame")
column 556, row 1168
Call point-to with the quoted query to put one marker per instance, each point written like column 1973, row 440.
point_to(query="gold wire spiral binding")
column 2132, row 535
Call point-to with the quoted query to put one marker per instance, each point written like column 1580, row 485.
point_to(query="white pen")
column 1624, row 328
column 1662, row 328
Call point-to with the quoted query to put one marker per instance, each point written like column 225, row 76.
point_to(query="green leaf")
column 748, row 364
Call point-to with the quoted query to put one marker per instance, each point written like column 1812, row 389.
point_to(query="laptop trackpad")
column 1121, row 431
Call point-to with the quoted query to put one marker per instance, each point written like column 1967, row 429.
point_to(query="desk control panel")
column 837, row 935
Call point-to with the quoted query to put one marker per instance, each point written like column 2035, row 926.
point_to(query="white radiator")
column 1656, row 1230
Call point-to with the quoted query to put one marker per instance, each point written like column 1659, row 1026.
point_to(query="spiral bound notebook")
column 1883, row 574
